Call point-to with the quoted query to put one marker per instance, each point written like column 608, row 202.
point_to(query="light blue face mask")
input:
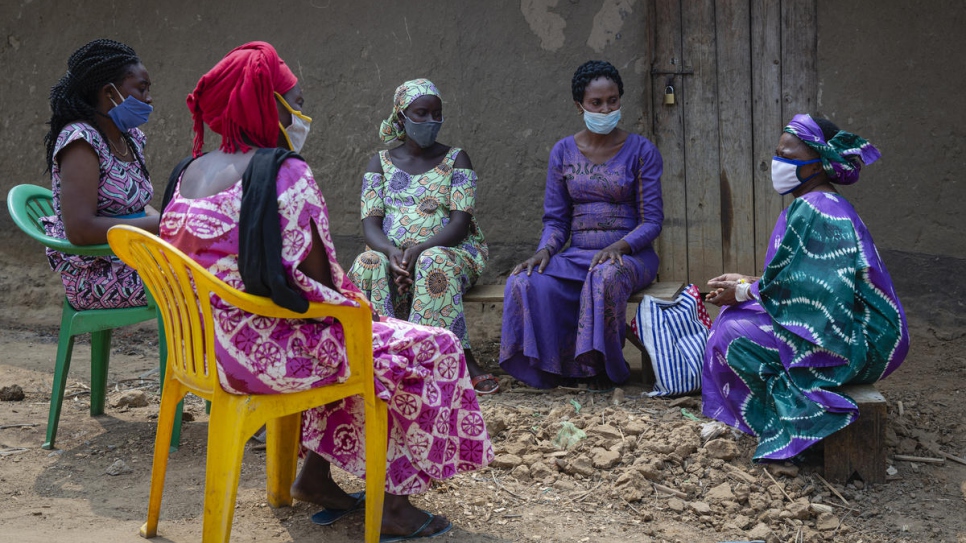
column 601, row 123
column 131, row 113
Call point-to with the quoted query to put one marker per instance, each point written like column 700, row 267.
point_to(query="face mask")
column 784, row 173
column 131, row 113
column 601, row 123
column 298, row 131
column 424, row 133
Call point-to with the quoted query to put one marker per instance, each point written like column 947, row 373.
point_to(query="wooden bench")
column 859, row 448
column 664, row 290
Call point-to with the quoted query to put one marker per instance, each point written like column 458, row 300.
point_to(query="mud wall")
column 887, row 71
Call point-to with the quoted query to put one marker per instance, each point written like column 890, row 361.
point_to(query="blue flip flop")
column 326, row 517
column 415, row 535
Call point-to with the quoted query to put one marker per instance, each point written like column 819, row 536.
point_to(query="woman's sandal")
column 482, row 378
column 416, row 534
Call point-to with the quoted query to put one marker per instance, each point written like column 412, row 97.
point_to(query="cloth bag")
column 674, row 334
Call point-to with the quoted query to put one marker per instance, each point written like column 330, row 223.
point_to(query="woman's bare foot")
column 314, row 484
column 399, row 517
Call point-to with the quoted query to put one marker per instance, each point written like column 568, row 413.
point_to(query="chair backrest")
column 183, row 290
column 27, row 204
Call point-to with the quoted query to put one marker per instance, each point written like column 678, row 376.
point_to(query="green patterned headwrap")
column 391, row 129
column 838, row 153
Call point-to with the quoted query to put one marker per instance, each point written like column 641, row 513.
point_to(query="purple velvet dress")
column 568, row 323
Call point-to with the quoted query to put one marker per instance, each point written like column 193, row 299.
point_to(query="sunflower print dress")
column 413, row 209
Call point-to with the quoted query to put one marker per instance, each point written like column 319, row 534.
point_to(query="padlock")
column 669, row 95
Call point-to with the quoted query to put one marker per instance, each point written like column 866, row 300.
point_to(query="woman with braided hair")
column 565, row 323
column 95, row 155
column 823, row 314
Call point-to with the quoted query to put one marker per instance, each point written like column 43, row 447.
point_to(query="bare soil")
column 643, row 473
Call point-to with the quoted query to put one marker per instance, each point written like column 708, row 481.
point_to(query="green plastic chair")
column 27, row 204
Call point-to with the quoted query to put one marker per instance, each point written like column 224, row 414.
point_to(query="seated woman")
column 425, row 249
column 95, row 155
column 823, row 314
column 254, row 102
column 565, row 323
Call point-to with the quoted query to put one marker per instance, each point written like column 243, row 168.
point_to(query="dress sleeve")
column 463, row 191
column 300, row 205
column 557, row 205
column 650, row 205
column 373, row 193
column 79, row 131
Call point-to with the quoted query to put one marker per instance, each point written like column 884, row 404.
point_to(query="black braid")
column 591, row 70
column 74, row 97
column 829, row 129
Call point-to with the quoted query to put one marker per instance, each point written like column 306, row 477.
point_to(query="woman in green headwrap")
column 425, row 249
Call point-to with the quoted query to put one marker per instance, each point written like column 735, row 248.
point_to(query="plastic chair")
column 27, row 204
column 184, row 290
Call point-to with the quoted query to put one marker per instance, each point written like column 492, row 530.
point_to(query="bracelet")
column 742, row 293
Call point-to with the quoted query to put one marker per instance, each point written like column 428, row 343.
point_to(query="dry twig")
column 5, row 426
column 780, row 489
column 505, row 489
column 830, row 487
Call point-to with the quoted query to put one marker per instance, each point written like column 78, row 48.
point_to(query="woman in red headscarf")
column 221, row 213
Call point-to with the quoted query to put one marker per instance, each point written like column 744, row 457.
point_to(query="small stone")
column 131, row 398
column 605, row 431
column 521, row 473
column 605, row 459
column 506, row 461
column 539, row 470
column 676, row 505
column 618, row 397
column 12, row 393
column 826, row 522
column 783, row 470
column 118, row 467
column 761, row 531
column 701, row 508
column 582, row 465
column 742, row 522
column 722, row 449
column 720, row 493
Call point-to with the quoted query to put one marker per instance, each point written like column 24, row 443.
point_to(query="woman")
column 254, row 102
column 425, row 249
column 823, row 314
column 95, row 155
column 565, row 323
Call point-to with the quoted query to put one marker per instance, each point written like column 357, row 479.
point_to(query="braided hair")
column 591, row 70
column 74, row 97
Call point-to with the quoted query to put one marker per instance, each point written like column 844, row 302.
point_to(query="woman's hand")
column 407, row 265
column 614, row 252
column 723, row 288
column 540, row 259
column 400, row 271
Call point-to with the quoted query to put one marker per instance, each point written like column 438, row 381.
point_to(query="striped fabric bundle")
column 674, row 333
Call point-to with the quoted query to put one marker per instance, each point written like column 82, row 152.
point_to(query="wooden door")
column 740, row 69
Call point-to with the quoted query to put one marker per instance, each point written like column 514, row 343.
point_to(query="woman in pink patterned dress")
column 436, row 430
column 95, row 154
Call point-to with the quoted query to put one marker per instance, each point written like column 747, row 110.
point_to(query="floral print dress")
column 414, row 208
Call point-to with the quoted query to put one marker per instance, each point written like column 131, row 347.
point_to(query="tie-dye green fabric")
column 828, row 315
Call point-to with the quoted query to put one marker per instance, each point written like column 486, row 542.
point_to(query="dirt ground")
column 644, row 473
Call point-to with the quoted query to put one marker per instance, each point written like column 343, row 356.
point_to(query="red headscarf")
column 237, row 96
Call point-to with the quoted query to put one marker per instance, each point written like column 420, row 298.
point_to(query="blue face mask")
column 424, row 133
column 131, row 113
column 601, row 123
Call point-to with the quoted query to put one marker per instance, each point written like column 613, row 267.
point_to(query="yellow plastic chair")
column 27, row 205
column 184, row 290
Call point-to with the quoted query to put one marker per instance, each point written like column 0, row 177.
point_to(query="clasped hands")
column 723, row 288
column 402, row 262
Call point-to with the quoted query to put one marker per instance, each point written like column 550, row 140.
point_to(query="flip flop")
column 485, row 377
column 415, row 535
column 326, row 517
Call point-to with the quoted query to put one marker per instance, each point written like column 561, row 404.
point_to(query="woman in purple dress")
column 565, row 324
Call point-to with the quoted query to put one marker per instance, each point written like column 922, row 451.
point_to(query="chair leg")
column 163, row 357
column 281, row 458
column 226, row 446
column 377, row 442
column 171, row 397
column 100, row 361
column 65, row 347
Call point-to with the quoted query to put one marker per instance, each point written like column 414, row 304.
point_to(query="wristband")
column 742, row 289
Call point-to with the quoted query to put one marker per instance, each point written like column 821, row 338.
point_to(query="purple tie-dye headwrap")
column 835, row 153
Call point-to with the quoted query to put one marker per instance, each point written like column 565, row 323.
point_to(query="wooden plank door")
column 739, row 69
